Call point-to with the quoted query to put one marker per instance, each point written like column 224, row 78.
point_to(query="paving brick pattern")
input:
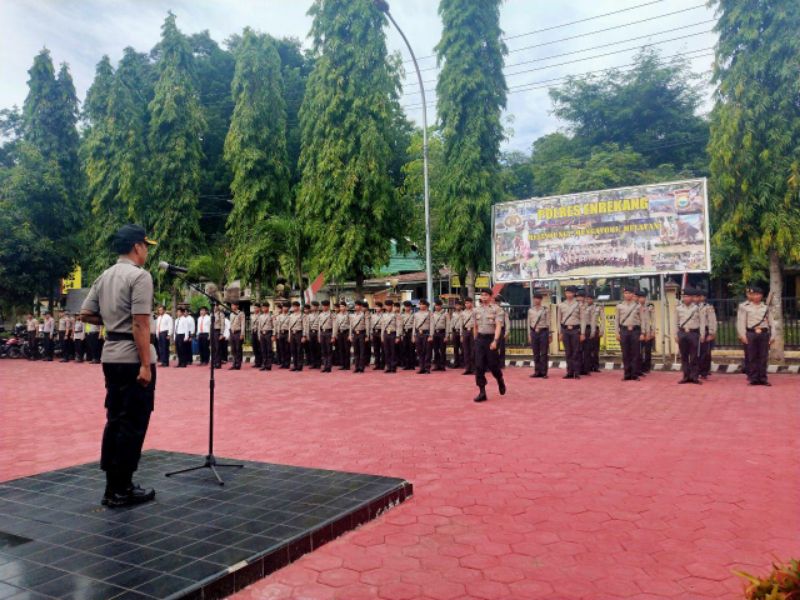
column 561, row 489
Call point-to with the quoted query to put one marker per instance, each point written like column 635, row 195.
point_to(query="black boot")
column 501, row 385
column 481, row 397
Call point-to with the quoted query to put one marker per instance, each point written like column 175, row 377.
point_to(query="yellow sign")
column 481, row 281
column 610, row 337
column 73, row 281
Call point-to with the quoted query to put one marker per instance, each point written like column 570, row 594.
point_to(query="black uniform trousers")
column 256, row 344
column 236, row 349
column 265, row 346
column 595, row 350
column 757, row 355
column 705, row 357
column 458, row 359
column 216, row 348
column 629, row 340
column 409, row 354
column 390, row 351
column 468, row 348
column 689, row 345
column 48, row 346
column 93, row 343
column 62, row 342
column 296, row 349
column 33, row 346
column 284, row 351
column 423, row 347
column 314, row 349
column 180, row 349
column 79, row 350
column 128, row 407
column 440, row 349
column 326, row 350
column 163, row 348
column 360, row 357
column 486, row 359
column 572, row 348
column 343, row 350
column 377, row 350
column 202, row 343
column 586, row 351
column 540, row 345
column 647, row 356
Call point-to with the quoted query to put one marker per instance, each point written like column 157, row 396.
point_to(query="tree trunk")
column 462, row 279
column 174, row 300
column 359, row 284
column 776, row 292
column 298, row 267
column 471, row 275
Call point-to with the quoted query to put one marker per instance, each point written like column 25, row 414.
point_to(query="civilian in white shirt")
column 164, row 327
column 203, row 329
column 184, row 332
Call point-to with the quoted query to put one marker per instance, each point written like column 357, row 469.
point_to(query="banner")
column 72, row 281
column 642, row 230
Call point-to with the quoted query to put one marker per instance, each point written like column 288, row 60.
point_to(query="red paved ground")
column 589, row 489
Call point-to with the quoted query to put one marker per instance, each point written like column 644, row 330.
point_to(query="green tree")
column 346, row 194
column 755, row 137
column 175, row 132
column 255, row 150
column 471, row 94
column 516, row 175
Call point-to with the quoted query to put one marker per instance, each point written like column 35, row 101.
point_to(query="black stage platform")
column 197, row 540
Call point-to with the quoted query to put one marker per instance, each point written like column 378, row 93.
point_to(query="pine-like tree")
column 471, row 94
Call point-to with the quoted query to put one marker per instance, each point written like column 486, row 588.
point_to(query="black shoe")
column 534, row 375
column 766, row 383
column 501, row 386
column 576, row 376
column 468, row 372
column 568, row 377
column 682, row 381
column 130, row 497
column 481, row 397
column 64, row 360
column 696, row 381
column 543, row 376
column 634, row 379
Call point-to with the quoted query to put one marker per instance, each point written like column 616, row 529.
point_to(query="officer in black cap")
column 629, row 333
column 121, row 299
column 571, row 323
column 756, row 330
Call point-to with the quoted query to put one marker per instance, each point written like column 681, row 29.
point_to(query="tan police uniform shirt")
column 237, row 322
column 325, row 321
column 755, row 317
column 688, row 318
column 629, row 316
column 266, row 323
column 297, row 323
column 440, row 321
column 456, row 323
column 467, row 320
column 422, row 324
column 78, row 329
column 539, row 318
column 487, row 317
column 359, row 322
column 570, row 315
column 711, row 318
column 341, row 323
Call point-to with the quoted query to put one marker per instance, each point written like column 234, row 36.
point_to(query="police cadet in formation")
column 748, row 292
column 183, row 348
column 597, row 316
column 570, row 320
column 48, row 332
column 315, row 357
column 164, row 330
column 629, row 333
column 79, row 335
column 237, row 336
column 468, row 336
column 690, row 321
column 487, row 331
column 501, row 345
column 305, row 351
column 423, row 337
column 539, row 336
column 122, row 299
column 255, row 317
column 282, row 324
column 64, row 334
column 648, row 333
column 391, row 323
column 708, row 336
column 341, row 335
column 454, row 333
column 326, row 323
column 585, row 337
column 32, row 330
column 756, row 330
column 203, row 337
column 266, row 328
column 218, row 336
column 298, row 333
column 407, row 345
column 440, row 324
column 375, row 337
column 359, row 325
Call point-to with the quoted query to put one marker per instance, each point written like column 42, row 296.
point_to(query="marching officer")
column 422, row 337
column 455, row 334
column 487, row 331
column 203, row 329
column 409, row 358
column 629, row 333
column 341, row 333
column 756, row 330
column 391, row 323
column 298, row 334
column 539, row 336
column 375, row 323
column 255, row 317
column 468, row 336
column 325, row 323
column 440, row 324
column 266, row 333
column 237, row 333
column 707, row 337
column 690, row 321
column 570, row 319
column 359, row 326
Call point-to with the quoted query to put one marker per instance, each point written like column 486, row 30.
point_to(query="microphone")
column 172, row 269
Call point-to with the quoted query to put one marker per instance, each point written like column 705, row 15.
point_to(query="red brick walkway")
column 561, row 489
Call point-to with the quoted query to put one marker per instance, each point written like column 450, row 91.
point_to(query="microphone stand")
column 210, row 460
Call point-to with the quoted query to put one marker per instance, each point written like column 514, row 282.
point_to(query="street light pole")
column 384, row 6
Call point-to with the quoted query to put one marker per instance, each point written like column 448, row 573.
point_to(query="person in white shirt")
column 203, row 329
column 184, row 332
column 226, row 335
column 164, row 329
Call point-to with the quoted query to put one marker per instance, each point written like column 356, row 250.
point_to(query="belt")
column 758, row 329
column 570, row 327
column 112, row 336
column 538, row 329
column 687, row 330
column 486, row 335
column 441, row 331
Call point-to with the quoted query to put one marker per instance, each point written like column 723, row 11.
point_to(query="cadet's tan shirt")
column 237, row 322
column 408, row 321
column 282, row 322
column 219, row 320
column 313, row 320
column 341, row 323
column 688, row 318
column 468, row 319
column 62, row 324
column 487, row 317
column 123, row 290
column 31, row 325
column 711, row 318
column 266, row 324
column 297, row 323
column 755, row 317
column 440, row 321
column 325, row 321
column 539, row 318
column 629, row 315
column 255, row 324
column 570, row 315
column 422, row 323
column 456, row 323
column 392, row 323
column 359, row 322
column 78, row 328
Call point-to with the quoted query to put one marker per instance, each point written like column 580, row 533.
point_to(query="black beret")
column 342, row 303
column 459, row 303
column 538, row 295
column 485, row 291
column 571, row 288
column 425, row 302
column 757, row 289
column 689, row 291
column 295, row 303
column 468, row 299
column 265, row 304
column 407, row 303
column 389, row 303
column 630, row 289
column 326, row 303
column 256, row 303
column 306, row 307
column 437, row 302
column 641, row 293
column 314, row 303
column 581, row 293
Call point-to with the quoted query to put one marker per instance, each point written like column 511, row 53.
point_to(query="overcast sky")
column 80, row 32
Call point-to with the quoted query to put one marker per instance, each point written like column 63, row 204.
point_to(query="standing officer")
column 756, row 330
column 570, row 319
column 203, row 327
column 284, row 347
column 341, row 333
column 122, row 298
column 487, row 330
column 600, row 330
column 390, row 325
column 539, row 336
column 376, row 323
column 32, row 329
column 255, row 317
column 313, row 336
column 180, row 335
column 79, row 336
column 92, row 342
column 648, row 335
column 237, row 333
column 325, row 323
column 585, row 337
column 359, row 325
column 689, row 323
column 748, row 291
column 468, row 336
column 305, row 349
column 409, row 360
column 422, row 336
column 629, row 333
column 266, row 328
column 591, row 361
column 218, row 337
column 708, row 336
column 48, row 331
column 63, row 335
column 164, row 330
column 298, row 334
column 454, row 333
column 440, row 323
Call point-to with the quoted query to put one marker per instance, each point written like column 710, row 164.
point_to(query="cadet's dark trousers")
column 202, row 342
column 688, row 344
column 93, row 342
column 33, row 345
column 63, row 342
column 424, row 348
column 586, row 352
column 629, row 340
column 296, row 349
column 48, row 346
column 343, row 350
column 314, row 349
column 647, row 356
column 595, row 350
column 257, row 358
column 284, row 350
column 377, row 350
column 180, row 349
column 236, row 349
column 440, row 350
column 360, row 350
column 572, row 348
column 265, row 346
column 705, row 357
column 757, row 355
column 79, row 351
column 540, row 344
column 325, row 347
column 409, row 356
column 468, row 344
column 389, row 351
column 216, row 348
column 128, row 407
column 163, row 348
column 486, row 359
column 458, row 359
